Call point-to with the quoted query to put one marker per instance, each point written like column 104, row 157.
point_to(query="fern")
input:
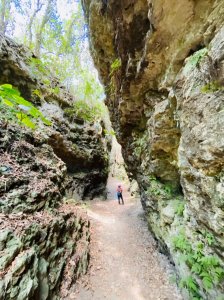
column 189, row 283
column 206, row 267
column 207, row 282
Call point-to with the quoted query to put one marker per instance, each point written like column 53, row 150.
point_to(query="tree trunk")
column 2, row 17
column 30, row 24
column 44, row 21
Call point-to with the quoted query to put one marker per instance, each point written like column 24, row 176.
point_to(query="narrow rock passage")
column 125, row 263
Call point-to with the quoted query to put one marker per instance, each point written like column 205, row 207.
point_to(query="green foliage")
column 212, row 87
column 114, row 67
column 109, row 132
column 7, row 113
column 208, row 237
column 181, row 243
column 83, row 110
column 157, row 188
column 140, row 144
column 15, row 108
column 168, row 189
column 194, row 59
column 63, row 51
column 191, row 285
column 37, row 93
column 152, row 178
column 180, row 209
column 206, row 267
column 197, row 56
column 41, row 71
column 38, row 67
column 116, row 64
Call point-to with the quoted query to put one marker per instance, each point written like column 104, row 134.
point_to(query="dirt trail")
column 126, row 264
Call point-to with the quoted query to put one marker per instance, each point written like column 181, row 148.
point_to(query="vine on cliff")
column 114, row 68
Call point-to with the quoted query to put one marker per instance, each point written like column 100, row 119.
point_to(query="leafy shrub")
column 168, row 189
column 14, row 108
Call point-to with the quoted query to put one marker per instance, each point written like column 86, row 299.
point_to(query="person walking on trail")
column 119, row 195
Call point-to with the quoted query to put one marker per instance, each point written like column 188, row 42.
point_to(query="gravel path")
column 126, row 264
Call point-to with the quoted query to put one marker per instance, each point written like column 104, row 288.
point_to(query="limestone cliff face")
column 162, row 64
column 44, row 241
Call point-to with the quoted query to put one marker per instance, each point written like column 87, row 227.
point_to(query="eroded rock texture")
column 44, row 244
column 79, row 146
column 162, row 64
column 42, row 254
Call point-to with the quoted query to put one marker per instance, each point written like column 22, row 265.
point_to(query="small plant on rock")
column 180, row 209
column 211, row 87
column 205, row 267
column 194, row 59
column 115, row 66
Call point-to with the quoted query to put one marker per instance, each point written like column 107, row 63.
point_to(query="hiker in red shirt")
column 119, row 195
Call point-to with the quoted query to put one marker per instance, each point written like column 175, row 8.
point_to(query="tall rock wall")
column 79, row 145
column 162, row 65
column 44, row 241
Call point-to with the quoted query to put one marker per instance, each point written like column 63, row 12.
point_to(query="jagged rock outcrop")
column 77, row 143
column 162, row 66
column 44, row 241
column 38, row 251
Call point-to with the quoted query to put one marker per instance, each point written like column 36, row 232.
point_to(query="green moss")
column 115, row 66
column 194, row 59
column 179, row 209
column 162, row 190
column 212, row 87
